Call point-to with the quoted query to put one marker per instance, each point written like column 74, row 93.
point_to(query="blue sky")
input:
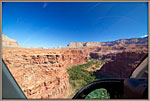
column 50, row 24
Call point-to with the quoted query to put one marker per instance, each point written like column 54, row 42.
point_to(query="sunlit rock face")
column 7, row 42
column 121, row 42
column 42, row 73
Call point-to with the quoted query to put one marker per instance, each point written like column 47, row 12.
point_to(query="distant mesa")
column 59, row 47
column 121, row 42
column 7, row 42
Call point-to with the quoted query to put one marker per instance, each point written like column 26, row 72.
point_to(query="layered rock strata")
column 121, row 42
column 42, row 73
column 7, row 42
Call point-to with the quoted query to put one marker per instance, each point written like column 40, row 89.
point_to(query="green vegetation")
column 93, row 68
column 98, row 94
column 79, row 76
column 97, row 66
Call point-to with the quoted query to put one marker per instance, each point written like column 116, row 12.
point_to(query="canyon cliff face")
column 121, row 42
column 109, row 53
column 7, row 42
column 124, row 63
column 42, row 73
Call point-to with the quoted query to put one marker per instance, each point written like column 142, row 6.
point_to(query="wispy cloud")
column 144, row 36
column 94, row 6
column 45, row 4
column 91, row 8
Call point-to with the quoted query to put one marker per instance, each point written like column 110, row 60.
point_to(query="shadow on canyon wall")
column 122, row 66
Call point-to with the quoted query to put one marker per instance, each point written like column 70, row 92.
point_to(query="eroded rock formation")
column 42, row 73
column 109, row 53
